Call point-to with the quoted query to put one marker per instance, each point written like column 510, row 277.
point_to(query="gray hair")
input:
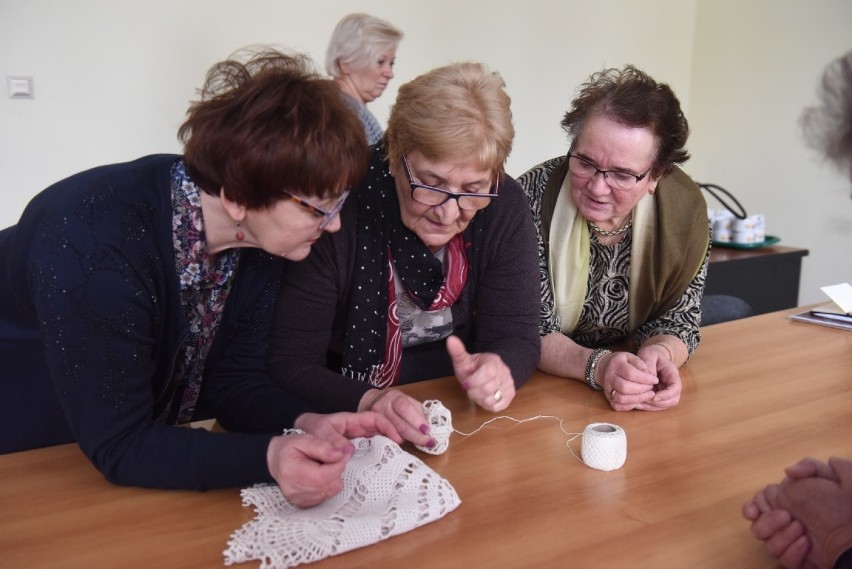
column 828, row 126
column 357, row 40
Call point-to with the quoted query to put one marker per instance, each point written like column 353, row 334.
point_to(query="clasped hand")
column 309, row 468
column 806, row 520
column 647, row 381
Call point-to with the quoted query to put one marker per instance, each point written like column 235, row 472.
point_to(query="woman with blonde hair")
column 434, row 273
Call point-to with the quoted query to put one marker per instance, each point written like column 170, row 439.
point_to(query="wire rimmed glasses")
column 615, row 179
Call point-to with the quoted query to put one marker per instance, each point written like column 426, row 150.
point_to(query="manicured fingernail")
column 431, row 443
column 424, row 428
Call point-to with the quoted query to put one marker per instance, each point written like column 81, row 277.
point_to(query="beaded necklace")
column 618, row 231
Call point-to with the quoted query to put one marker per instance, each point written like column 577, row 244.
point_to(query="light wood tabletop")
column 759, row 394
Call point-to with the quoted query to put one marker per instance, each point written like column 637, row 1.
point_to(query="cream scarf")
column 664, row 256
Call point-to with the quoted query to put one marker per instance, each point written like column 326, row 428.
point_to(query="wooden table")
column 766, row 277
column 759, row 394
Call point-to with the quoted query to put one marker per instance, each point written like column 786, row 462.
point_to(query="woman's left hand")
column 486, row 379
column 669, row 388
column 405, row 412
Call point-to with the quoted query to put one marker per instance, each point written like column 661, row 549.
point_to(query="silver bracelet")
column 592, row 364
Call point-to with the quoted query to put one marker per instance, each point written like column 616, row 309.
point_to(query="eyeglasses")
column 430, row 195
column 325, row 216
column 615, row 179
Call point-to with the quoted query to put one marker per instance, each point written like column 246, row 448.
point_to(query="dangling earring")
column 239, row 234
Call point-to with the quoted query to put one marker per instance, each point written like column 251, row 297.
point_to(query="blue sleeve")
column 100, row 296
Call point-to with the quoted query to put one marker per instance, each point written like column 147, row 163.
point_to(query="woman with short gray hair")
column 360, row 57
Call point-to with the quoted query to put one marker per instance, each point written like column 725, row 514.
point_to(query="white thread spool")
column 604, row 446
column 440, row 426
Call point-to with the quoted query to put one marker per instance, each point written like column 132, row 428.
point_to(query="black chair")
column 717, row 308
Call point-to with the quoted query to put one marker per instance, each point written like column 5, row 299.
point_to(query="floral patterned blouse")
column 204, row 285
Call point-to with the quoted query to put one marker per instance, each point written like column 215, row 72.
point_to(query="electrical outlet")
column 20, row 87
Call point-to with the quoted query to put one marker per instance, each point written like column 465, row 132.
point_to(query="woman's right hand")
column 626, row 381
column 795, row 518
column 309, row 467
column 404, row 412
column 309, row 470
column 821, row 502
column 783, row 536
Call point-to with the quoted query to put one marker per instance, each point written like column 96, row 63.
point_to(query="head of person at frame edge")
column 828, row 126
column 434, row 273
column 138, row 296
column 623, row 243
column 805, row 521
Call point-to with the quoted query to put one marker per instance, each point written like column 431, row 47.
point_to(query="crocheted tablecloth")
column 386, row 492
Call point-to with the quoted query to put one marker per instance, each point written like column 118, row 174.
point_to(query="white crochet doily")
column 386, row 492
column 440, row 426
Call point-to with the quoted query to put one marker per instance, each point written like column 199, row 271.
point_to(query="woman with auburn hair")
column 138, row 296
column 434, row 273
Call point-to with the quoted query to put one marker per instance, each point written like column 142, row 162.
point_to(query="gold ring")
column 498, row 395
column 612, row 393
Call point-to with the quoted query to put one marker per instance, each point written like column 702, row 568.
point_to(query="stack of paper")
column 836, row 314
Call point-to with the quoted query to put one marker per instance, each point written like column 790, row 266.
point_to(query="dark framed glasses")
column 432, row 196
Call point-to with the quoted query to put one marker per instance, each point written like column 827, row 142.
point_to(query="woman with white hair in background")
column 360, row 57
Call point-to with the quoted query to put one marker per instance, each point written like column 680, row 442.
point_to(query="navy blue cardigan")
column 91, row 324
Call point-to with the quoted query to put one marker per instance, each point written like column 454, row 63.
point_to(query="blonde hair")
column 357, row 40
column 458, row 111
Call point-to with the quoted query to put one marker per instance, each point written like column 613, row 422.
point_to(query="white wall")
column 756, row 65
column 113, row 79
